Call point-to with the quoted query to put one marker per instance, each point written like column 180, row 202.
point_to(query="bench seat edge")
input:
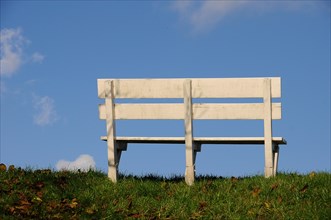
column 199, row 140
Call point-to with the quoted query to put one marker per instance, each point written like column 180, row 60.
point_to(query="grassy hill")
column 45, row 194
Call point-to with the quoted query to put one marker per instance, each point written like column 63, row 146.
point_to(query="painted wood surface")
column 268, row 153
column 201, row 88
column 188, row 121
column 201, row 111
column 111, row 131
column 202, row 140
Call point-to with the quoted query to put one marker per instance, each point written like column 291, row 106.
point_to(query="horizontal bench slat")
column 149, row 111
column 203, row 111
column 201, row 88
column 238, row 111
column 201, row 140
column 234, row 88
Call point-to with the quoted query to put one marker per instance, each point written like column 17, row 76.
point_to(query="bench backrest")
column 265, row 88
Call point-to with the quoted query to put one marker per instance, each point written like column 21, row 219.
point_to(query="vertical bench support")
column 121, row 146
column 276, row 156
column 189, row 145
column 196, row 148
column 111, row 132
column 268, row 151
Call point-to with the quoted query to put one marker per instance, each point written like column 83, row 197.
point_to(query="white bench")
column 265, row 88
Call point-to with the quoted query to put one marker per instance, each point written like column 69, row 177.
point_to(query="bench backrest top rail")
column 201, row 88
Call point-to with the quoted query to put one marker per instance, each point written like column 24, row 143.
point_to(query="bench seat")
column 200, row 140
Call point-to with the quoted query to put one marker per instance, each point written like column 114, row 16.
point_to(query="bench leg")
column 189, row 144
column 190, row 165
column 189, row 175
column 115, row 149
column 275, row 155
column 197, row 148
column 122, row 146
column 112, row 161
column 269, row 160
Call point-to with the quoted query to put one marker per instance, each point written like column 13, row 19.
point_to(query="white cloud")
column 84, row 162
column 11, row 43
column 211, row 12
column 46, row 114
column 204, row 15
column 37, row 57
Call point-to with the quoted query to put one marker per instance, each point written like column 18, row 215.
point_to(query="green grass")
column 45, row 194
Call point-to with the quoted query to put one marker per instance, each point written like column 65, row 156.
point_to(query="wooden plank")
column 201, row 140
column 111, row 132
column 268, row 154
column 189, row 148
column 149, row 111
column 234, row 111
column 201, row 88
column 237, row 140
column 152, row 140
column 208, row 111
column 145, row 88
column 234, row 88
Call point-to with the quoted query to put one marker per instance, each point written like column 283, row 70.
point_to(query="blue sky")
column 52, row 54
